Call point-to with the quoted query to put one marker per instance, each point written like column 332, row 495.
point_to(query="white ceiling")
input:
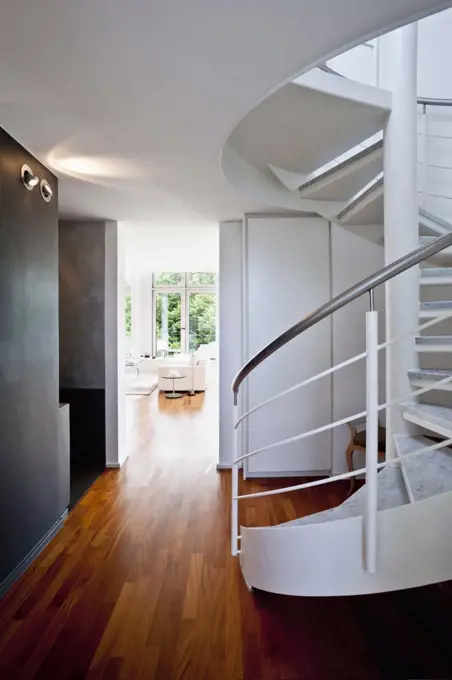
column 152, row 89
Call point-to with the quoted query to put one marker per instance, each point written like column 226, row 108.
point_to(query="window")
column 168, row 322
column 202, row 319
column 185, row 311
column 169, row 279
column 202, row 279
column 128, row 314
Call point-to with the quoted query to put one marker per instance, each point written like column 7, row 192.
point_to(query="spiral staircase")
column 393, row 532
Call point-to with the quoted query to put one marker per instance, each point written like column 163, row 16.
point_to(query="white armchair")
column 194, row 367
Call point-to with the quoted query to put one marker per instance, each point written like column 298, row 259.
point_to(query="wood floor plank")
column 140, row 584
column 193, row 587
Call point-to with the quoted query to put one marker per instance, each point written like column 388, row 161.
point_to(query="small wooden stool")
column 358, row 443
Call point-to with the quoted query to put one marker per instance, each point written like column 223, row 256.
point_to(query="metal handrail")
column 433, row 101
column 369, row 283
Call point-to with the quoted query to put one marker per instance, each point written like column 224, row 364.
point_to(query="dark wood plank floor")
column 140, row 584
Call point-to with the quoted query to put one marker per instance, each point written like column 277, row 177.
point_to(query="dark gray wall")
column 88, row 338
column 29, row 498
column 82, row 304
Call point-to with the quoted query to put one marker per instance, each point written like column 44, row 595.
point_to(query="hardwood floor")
column 139, row 584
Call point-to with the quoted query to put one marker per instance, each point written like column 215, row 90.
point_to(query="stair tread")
column 438, row 304
column 441, row 415
column 433, row 339
column 391, row 494
column 436, row 271
column 427, row 215
column 429, row 373
column 428, row 474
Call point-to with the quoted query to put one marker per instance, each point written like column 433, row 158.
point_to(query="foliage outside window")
column 202, row 279
column 189, row 309
column 202, row 316
column 128, row 315
column 169, row 279
column 168, row 319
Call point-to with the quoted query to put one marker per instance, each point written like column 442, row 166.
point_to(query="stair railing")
column 425, row 103
column 367, row 285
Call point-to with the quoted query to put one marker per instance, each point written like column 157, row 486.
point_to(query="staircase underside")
column 322, row 554
column 327, row 559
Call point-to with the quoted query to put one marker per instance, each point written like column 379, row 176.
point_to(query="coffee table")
column 173, row 394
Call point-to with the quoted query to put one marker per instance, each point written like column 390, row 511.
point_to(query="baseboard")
column 113, row 466
column 276, row 474
column 32, row 555
column 223, row 466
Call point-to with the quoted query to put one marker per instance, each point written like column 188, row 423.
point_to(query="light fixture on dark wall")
column 46, row 190
column 29, row 179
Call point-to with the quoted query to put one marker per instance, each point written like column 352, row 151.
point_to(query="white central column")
column 401, row 229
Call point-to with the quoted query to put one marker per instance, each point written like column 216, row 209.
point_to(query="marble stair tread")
column 440, row 305
column 433, row 340
column 428, row 474
column 431, row 413
column 433, row 374
column 391, row 493
column 429, row 272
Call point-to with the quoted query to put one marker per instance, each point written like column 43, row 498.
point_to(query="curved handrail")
column 369, row 283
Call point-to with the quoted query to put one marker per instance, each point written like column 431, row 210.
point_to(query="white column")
column 401, row 228
column 370, row 519
column 115, row 392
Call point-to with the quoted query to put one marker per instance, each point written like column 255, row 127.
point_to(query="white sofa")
column 194, row 367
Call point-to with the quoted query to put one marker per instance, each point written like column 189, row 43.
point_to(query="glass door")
column 169, row 322
column 202, row 321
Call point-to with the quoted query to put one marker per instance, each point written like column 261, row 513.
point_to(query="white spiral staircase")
column 393, row 533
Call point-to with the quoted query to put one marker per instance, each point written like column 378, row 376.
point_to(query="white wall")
column 170, row 248
column 353, row 258
column 288, row 277
column 231, row 331
column 434, row 57
column 114, row 346
column 283, row 254
column 359, row 63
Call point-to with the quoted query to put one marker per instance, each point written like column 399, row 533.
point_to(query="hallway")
column 140, row 583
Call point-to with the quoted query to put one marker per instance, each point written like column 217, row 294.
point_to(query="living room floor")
column 140, row 584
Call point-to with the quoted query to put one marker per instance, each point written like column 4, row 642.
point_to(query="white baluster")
column 235, row 486
column 370, row 518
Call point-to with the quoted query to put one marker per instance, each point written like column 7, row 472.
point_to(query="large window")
column 169, row 279
column 202, row 315
column 168, row 321
column 128, row 314
column 185, row 312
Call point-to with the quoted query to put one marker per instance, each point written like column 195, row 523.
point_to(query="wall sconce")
column 29, row 180
column 46, row 190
